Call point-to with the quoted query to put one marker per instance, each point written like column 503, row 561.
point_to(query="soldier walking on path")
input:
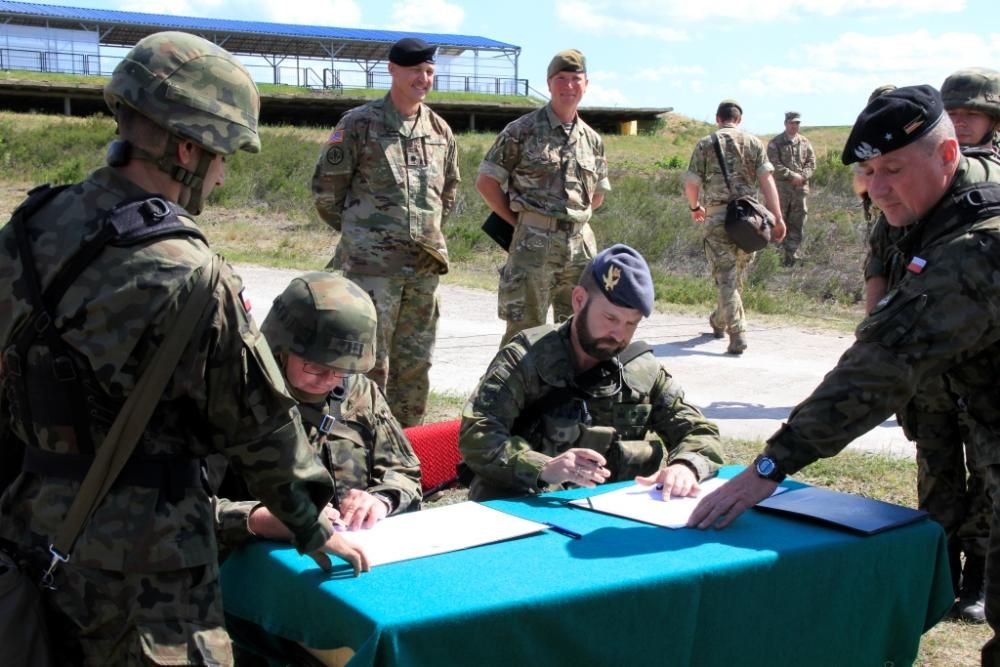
column 387, row 180
column 546, row 174
column 141, row 584
column 794, row 162
column 707, row 195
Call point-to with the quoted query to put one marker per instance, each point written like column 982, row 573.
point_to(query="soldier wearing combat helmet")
column 321, row 329
column 972, row 99
column 181, row 104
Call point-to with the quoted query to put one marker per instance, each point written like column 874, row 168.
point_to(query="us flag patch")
column 916, row 265
column 336, row 137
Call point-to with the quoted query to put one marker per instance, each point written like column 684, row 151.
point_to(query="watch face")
column 765, row 466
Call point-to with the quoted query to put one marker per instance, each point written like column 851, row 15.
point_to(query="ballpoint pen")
column 563, row 531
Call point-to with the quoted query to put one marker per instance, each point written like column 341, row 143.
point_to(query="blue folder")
column 855, row 513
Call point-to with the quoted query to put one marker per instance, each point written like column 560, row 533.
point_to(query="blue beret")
column 411, row 51
column 893, row 120
column 623, row 277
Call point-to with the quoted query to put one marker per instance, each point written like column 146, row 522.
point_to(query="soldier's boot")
column 791, row 256
column 737, row 343
column 717, row 331
column 971, row 605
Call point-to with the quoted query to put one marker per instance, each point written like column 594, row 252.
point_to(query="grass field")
column 264, row 215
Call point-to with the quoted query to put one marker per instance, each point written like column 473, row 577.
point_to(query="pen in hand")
column 563, row 531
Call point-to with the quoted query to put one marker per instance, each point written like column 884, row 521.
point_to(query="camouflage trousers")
column 950, row 483
column 101, row 618
column 729, row 270
column 795, row 211
column 541, row 270
column 408, row 312
column 991, row 651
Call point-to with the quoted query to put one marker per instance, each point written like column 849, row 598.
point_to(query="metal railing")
column 98, row 65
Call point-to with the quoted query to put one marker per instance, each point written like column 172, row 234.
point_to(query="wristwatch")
column 695, row 207
column 767, row 468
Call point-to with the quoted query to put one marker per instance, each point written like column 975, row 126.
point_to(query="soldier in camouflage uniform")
column 141, row 585
column 577, row 404
column 794, row 162
column 707, row 195
column 322, row 332
column 942, row 318
column 950, row 484
column 546, row 174
column 387, row 180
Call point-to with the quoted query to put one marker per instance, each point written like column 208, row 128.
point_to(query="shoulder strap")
column 131, row 421
column 635, row 349
column 722, row 161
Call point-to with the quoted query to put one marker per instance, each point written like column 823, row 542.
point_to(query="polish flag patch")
column 916, row 265
column 245, row 300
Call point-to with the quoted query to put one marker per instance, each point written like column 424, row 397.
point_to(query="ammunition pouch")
column 597, row 438
column 628, row 458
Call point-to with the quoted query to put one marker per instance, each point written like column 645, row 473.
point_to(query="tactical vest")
column 47, row 385
column 613, row 394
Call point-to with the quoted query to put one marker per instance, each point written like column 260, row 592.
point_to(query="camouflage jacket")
column 885, row 258
column 226, row 395
column 388, row 190
column 640, row 399
column 746, row 161
column 942, row 318
column 790, row 156
column 547, row 170
column 364, row 448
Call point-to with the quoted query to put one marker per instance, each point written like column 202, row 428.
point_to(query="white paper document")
column 438, row 530
column 646, row 504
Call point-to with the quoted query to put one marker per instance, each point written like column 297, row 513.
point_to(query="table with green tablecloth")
column 766, row 591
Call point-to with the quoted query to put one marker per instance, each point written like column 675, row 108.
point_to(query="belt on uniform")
column 548, row 223
column 167, row 473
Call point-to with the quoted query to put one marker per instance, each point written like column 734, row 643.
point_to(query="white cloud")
column 602, row 96
column 643, row 18
column 670, row 73
column 427, row 16
column 602, row 18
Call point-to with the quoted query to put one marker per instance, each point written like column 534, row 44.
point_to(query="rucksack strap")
column 722, row 161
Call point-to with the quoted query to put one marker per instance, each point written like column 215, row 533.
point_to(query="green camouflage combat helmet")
column 325, row 319
column 976, row 88
column 192, row 87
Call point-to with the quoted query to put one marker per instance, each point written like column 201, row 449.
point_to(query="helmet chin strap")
column 193, row 182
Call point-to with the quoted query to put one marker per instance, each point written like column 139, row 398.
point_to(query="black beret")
column 411, row 51
column 893, row 120
column 623, row 277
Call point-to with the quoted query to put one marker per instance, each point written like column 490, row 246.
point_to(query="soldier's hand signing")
column 721, row 507
column 338, row 546
column 674, row 480
column 360, row 509
column 581, row 466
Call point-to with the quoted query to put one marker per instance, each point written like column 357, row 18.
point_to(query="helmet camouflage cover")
column 325, row 319
column 976, row 88
column 193, row 88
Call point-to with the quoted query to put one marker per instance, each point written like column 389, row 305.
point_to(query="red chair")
column 436, row 445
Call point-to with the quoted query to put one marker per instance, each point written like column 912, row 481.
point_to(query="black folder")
column 499, row 230
column 855, row 513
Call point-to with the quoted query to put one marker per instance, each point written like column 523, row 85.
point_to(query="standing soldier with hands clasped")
column 546, row 174
column 794, row 162
column 89, row 291
column 387, row 180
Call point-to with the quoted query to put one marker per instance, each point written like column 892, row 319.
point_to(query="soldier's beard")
column 601, row 349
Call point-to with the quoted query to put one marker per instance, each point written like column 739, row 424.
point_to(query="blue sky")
column 819, row 57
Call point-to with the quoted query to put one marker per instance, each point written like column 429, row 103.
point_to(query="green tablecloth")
column 766, row 591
